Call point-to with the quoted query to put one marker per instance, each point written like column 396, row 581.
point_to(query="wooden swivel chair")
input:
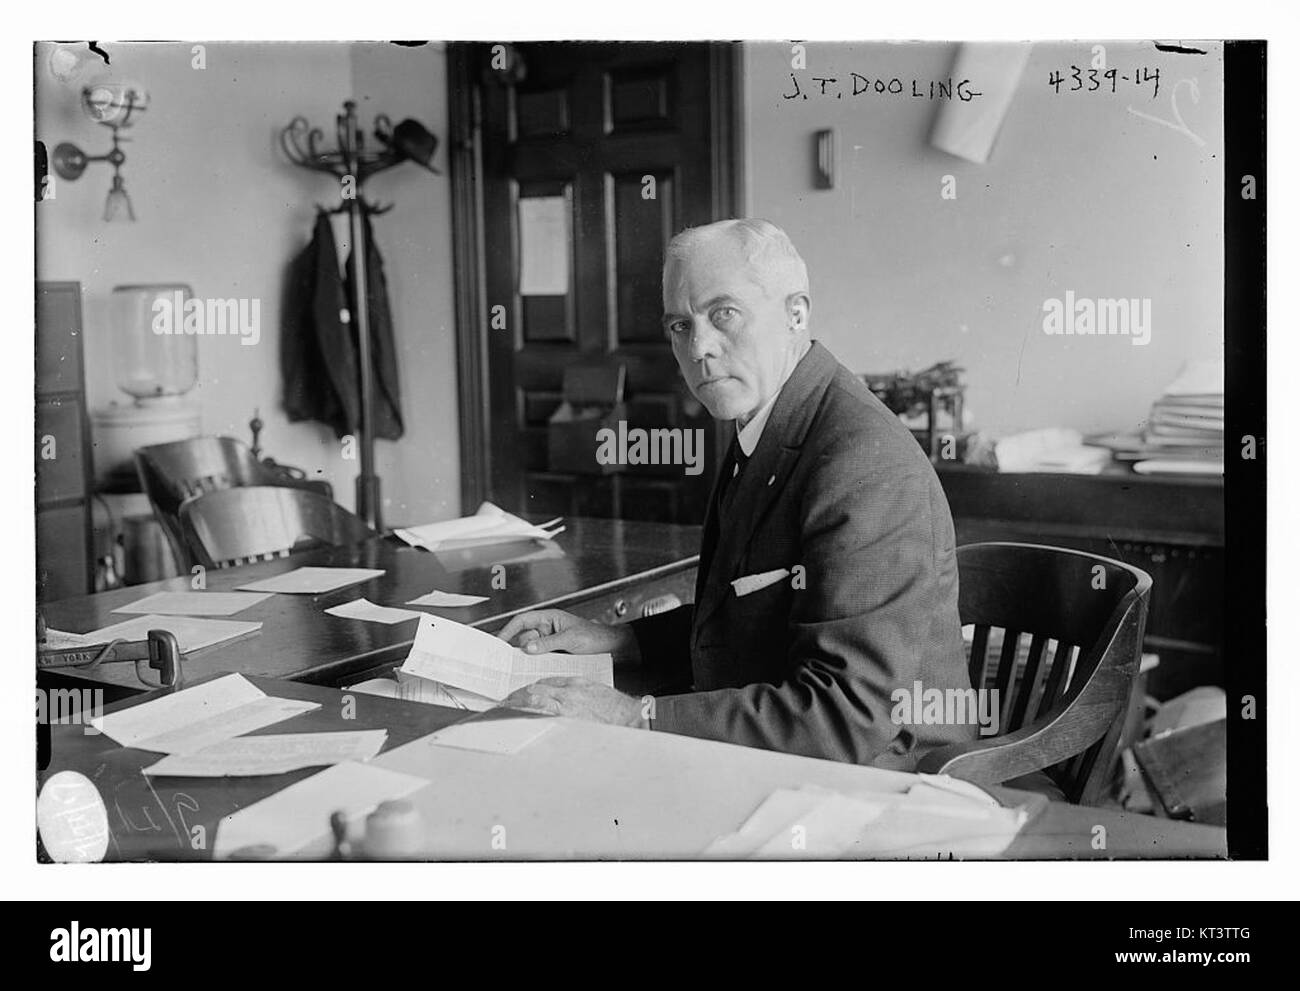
column 173, row 472
column 1061, row 712
column 237, row 526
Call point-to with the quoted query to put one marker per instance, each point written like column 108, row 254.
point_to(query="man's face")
column 731, row 337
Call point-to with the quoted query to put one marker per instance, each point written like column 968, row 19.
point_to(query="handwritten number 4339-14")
column 1094, row 80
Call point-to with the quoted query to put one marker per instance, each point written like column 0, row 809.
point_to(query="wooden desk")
column 580, row 791
column 608, row 568
column 153, row 819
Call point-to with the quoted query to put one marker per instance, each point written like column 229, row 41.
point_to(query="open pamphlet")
column 459, row 666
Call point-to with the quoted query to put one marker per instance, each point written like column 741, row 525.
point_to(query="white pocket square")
column 752, row 583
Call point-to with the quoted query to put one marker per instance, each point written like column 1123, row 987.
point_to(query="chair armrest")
column 999, row 758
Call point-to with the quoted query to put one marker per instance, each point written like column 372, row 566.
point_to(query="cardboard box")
column 593, row 401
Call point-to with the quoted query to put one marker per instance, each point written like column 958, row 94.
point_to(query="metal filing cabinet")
column 63, row 527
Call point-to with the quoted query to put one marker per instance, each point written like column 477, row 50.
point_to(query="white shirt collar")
column 749, row 435
column 751, row 432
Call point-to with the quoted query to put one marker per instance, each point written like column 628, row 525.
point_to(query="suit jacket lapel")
column 763, row 479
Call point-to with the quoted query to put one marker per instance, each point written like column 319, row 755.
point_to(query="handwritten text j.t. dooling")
column 859, row 85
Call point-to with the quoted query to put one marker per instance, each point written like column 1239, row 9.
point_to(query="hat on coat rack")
column 411, row 140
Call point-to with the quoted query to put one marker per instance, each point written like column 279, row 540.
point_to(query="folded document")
column 189, row 720
column 490, row 525
column 462, row 657
column 272, row 753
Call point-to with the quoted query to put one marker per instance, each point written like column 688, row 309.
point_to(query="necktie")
column 732, row 484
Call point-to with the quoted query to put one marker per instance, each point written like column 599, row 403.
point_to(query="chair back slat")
column 1007, row 662
column 233, row 526
column 1066, row 628
column 1057, row 677
column 1026, row 682
column 978, row 655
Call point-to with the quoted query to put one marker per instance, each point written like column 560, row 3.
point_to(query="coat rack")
column 409, row 142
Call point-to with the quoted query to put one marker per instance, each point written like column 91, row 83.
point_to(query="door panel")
column 624, row 134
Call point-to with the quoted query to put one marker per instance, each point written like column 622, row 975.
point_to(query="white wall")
column 1078, row 194
column 421, row 473
column 219, row 207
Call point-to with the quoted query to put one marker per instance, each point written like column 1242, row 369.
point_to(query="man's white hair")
column 773, row 260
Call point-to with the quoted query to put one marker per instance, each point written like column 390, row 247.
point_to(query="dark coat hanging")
column 318, row 342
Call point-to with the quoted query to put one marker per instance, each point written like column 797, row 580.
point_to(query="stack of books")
column 1186, row 429
column 1185, row 432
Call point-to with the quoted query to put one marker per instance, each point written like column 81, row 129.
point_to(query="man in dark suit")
column 827, row 579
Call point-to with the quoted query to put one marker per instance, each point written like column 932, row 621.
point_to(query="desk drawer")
column 629, row 603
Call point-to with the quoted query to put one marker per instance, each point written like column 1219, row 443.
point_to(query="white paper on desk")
column 490, row 525
column 300, row 814
column 274, row 753
column 447, row 600
column 194, row 603
column 366, row 610
column 775, row 814
column 462, row 657
column 930, row 820
column 493, row 735
column 800, row 824
column 829, row 829
column 191, row 634
column 60, row 639
column 922, row 826
column 313, row 581
column 194, row 718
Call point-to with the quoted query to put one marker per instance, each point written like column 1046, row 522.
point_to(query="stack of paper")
column 490, row 525
column 1186, row 429
column 1185, row 432
column 1055, row 449
column 936, row 817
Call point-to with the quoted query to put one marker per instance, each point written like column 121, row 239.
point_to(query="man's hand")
column 582, row 699
column 543, row 630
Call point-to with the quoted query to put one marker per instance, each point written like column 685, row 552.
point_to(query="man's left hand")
column 581, row 699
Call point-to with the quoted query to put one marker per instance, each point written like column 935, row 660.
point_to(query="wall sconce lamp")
column 114, row 105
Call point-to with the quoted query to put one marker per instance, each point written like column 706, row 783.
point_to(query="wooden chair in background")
column 1062, row 712
column 237, row 526
column 173, row 472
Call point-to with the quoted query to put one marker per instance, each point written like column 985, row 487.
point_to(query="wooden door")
column 591, row 156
